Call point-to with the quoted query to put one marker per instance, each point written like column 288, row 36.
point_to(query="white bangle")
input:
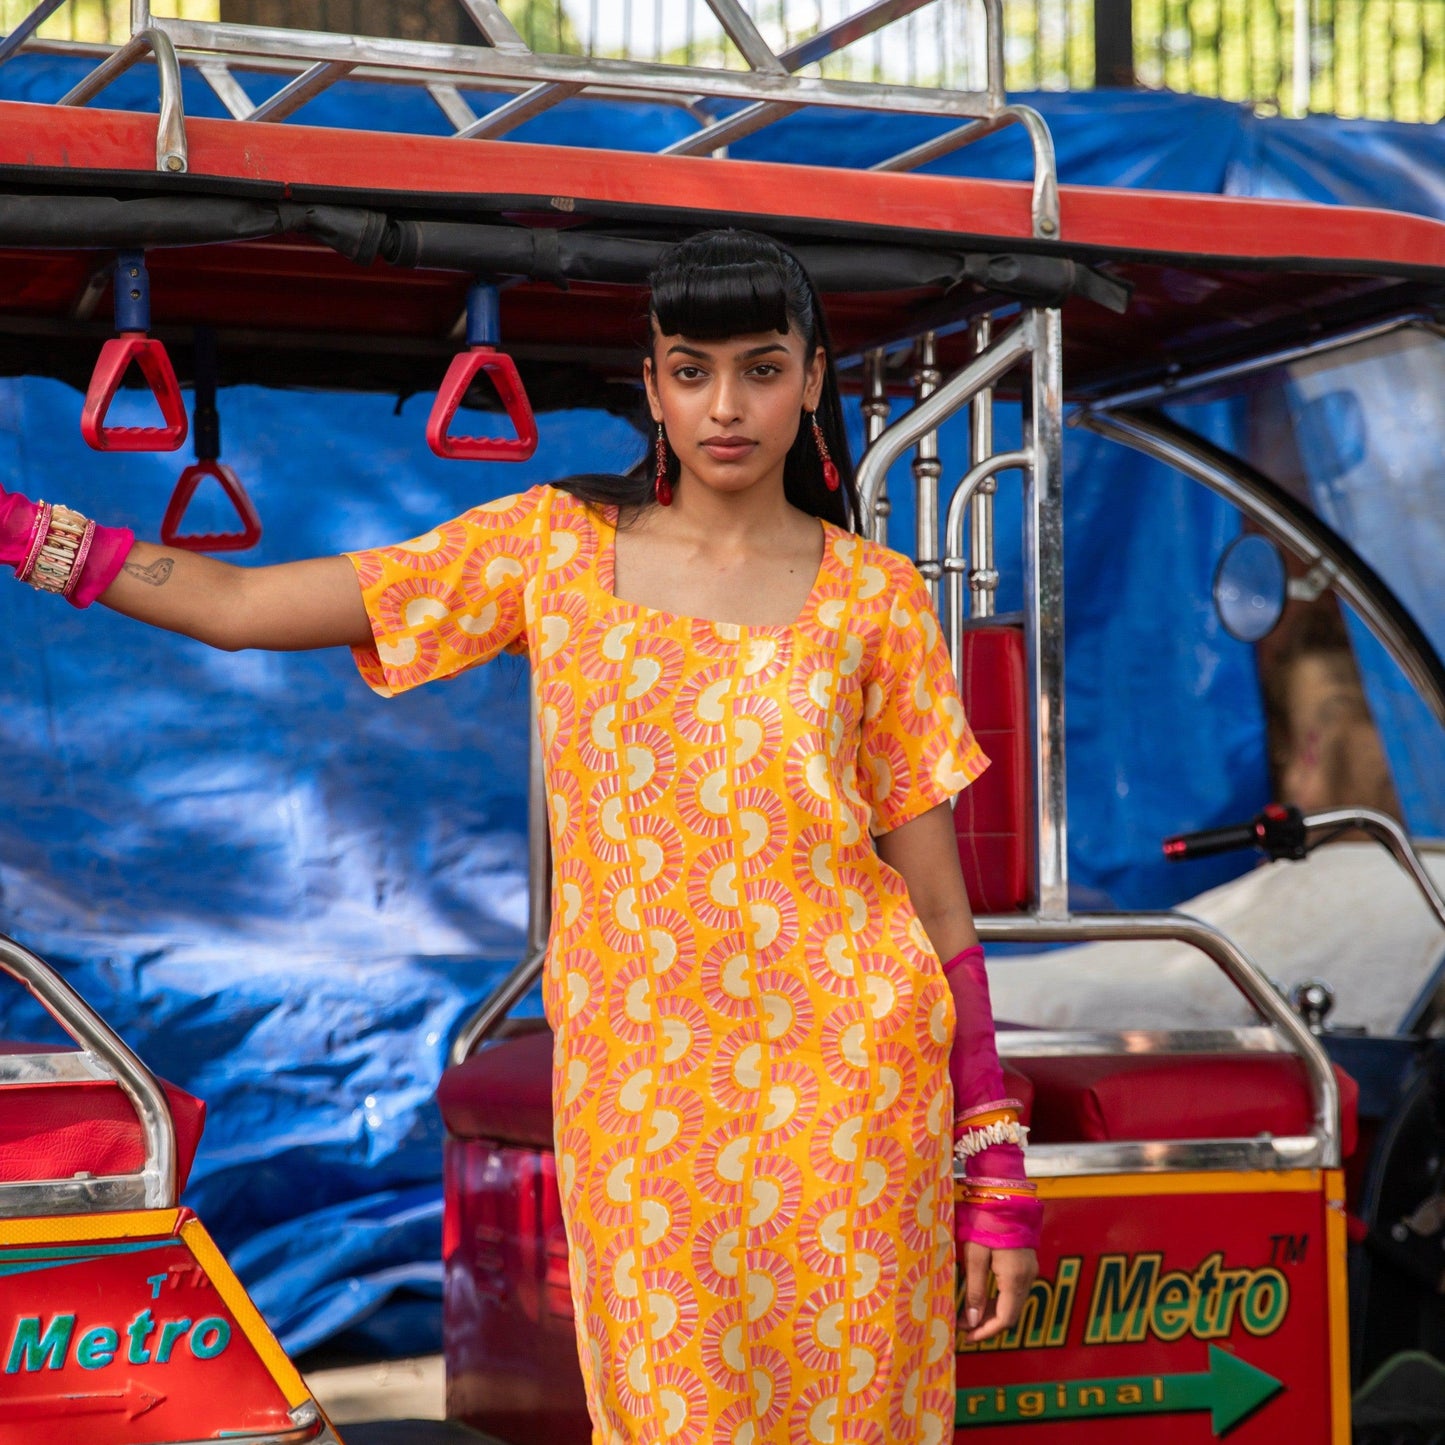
column 975, row 1141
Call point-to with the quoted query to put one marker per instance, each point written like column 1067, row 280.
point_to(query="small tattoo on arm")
column 156, row 575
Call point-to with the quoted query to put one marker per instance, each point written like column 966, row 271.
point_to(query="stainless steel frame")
column 1296, row 530
column 1038, row 339
column 1393, row 838
column 103, row 1055
column 769, row 89
column 172, row 153
column 1320, row 1149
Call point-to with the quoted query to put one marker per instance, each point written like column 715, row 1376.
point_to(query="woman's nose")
column 726, row 400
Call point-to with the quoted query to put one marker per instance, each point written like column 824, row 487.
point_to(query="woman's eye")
column 688, row 373
column 767, row 368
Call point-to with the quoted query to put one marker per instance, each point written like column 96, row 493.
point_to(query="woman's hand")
column 1015, row 1270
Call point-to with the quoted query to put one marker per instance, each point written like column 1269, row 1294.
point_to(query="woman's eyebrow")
column 751, row 354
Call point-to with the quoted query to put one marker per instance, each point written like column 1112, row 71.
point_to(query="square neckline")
column 605, row 580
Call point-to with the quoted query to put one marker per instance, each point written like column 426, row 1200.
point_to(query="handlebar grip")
column 1209, row 841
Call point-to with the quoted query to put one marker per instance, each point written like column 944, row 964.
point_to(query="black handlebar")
column 1278, row 832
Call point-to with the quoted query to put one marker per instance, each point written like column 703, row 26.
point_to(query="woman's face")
column 732, row 408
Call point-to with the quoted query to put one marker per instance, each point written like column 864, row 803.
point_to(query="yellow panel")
column 1121, row 1186
column 1336, row 1245
column 247, row 1315
column 80, row 1228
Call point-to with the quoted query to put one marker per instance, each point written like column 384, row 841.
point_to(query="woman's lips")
column 728, row 449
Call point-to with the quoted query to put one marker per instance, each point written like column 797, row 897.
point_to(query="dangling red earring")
column 831, row 480
column 662, row 488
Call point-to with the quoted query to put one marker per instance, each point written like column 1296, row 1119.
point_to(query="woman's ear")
column 813, row 387
column 649, row 382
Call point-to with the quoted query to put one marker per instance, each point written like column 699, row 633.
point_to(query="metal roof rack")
column 729, row 103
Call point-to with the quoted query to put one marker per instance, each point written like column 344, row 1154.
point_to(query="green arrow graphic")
column 1230, row 1390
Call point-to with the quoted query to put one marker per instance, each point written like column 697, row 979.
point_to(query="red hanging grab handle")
column 132, row 319
column 482, row 334
column 186, row 485
column 208, row 463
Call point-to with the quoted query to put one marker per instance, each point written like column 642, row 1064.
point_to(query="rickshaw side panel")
column 130, row 1329
column 1186, row 1305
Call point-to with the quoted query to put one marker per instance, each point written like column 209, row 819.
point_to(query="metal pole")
column 875, row 423
column 1044, row 606
column 927, row 469
column 539, row 906
column 983, row 574
column 1302, row 63
column 954, row 565
column 1002, row 357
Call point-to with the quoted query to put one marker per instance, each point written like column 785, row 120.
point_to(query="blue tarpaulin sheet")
column 286, row 894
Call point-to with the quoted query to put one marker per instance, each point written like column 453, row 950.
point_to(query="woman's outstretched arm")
column 284, row 608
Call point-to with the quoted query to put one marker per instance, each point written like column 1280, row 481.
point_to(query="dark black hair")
column 733, row 283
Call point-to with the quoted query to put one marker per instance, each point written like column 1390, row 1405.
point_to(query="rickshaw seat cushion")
column 57, row 1130
column 991, row 816
column 504, row 1093
column 1094, row 1099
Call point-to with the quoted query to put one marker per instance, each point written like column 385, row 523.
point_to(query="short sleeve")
column 452, row 598
column 916, row 749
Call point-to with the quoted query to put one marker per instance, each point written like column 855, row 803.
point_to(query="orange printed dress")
column 753, row 1115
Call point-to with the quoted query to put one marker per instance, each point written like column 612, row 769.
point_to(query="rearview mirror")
column 1250, row 586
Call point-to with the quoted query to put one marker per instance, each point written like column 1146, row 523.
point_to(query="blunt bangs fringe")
column 738, row 283
column 736, row 298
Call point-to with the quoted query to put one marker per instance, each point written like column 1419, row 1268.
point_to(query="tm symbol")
column 1288, row 1248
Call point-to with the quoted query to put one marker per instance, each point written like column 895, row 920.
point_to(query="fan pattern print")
column 752, row 1107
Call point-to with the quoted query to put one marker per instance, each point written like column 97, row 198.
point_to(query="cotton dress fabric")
column 753, row 1115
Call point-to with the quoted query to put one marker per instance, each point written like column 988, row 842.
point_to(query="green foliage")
column 544, row 25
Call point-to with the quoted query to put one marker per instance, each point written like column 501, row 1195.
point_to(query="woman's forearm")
column 288, row 607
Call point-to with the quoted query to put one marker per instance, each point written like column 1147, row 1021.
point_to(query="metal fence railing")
column 1383, row 59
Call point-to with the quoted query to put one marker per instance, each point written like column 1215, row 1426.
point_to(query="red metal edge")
column 1137, row 222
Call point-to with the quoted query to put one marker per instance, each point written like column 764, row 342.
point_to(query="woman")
column 756, row 1059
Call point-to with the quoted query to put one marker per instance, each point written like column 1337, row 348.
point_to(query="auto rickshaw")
column 1200, row 1186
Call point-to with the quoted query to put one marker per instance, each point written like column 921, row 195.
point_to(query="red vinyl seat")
column 1177, row 1096
column 57, row 1130
column 504, row 1093
column 992, row 816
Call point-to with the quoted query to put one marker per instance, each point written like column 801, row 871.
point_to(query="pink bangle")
column 37, row 540
column 992, row 1107
column 963, row 956
column 81, row 553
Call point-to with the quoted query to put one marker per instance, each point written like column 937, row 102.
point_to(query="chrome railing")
column 102, row 1055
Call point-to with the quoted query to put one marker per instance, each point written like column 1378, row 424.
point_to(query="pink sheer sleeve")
column 999, row 1208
